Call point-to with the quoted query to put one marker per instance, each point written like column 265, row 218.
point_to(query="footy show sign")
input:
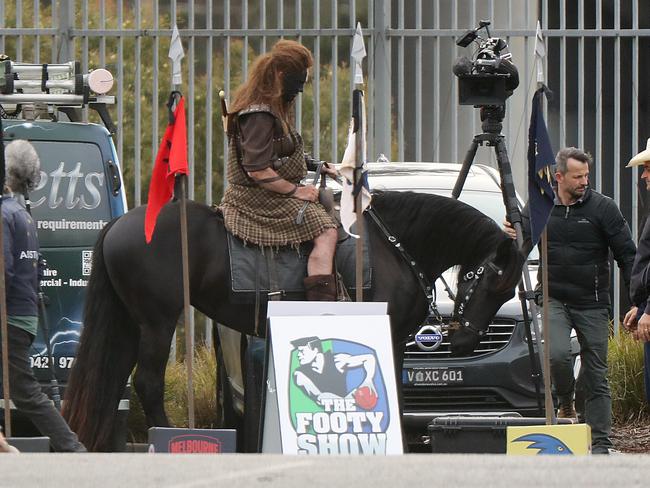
column 335, row 383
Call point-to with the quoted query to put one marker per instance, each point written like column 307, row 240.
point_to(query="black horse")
column 134, row 297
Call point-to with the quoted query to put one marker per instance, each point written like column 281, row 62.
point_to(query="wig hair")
column 264, row 83
column 22, row 166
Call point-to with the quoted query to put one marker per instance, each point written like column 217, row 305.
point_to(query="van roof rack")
column 47, row 88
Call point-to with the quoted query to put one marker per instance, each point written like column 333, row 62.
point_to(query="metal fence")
column 596, row 52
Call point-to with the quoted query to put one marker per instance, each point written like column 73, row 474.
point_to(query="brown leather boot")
column 320, row 288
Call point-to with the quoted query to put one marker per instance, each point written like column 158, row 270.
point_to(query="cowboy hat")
column 641, row 158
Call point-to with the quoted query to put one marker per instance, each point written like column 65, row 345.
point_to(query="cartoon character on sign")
column 337, row 397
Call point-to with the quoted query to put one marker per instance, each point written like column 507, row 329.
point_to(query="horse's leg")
column 149, row 380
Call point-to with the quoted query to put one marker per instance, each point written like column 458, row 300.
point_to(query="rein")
column 427, row 289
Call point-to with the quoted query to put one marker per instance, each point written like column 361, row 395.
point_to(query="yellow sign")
column 532, row 440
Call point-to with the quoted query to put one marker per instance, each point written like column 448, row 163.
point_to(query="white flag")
column 540, row 54
column 176, row 53
column 348, row 165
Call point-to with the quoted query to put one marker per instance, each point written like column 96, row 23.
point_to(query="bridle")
column 471, row 279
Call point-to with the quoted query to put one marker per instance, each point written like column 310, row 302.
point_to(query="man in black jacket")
column 584, row 226
column 21, row 250
column 637, row 319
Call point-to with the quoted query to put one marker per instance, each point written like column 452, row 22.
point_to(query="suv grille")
column 497, row 337
column 418, row 399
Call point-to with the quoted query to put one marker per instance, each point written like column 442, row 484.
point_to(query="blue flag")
column 540, row 161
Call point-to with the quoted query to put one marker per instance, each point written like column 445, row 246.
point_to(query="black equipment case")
column 473, row 434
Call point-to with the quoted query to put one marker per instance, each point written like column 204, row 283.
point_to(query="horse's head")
column 482, row 289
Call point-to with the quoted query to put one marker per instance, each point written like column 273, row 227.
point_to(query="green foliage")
column 205, row 396
column 626, row 379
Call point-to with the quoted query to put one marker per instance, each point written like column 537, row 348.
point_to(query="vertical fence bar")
column 581, row 76
column 599, row 95
column 54, row 9
column 209, row 89
column 226, row 83
column 298, row 105
column 563, row 68
column 400, row 83
column 137, row 116
column 381, row 93
column 2, row 25
column 19, row 24
column 436, row 84
column 634, row 189
column 617, row 152
column 244, row 22
column 262, row 24
column 454, row 92
column 335, row 84
column 154, row 87
column 102, row 39
column 120, row 82
column 37, row 24
column 316, row 122
column 371, row 86
column 418, row 83
column 191, row 89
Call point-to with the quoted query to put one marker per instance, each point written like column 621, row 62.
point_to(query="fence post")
column 64, row 41
column 381, row 81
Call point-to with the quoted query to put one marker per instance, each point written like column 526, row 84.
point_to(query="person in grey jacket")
column 583, row 228
column 21, row 252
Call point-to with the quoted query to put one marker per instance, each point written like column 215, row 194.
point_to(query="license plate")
column 433, row 376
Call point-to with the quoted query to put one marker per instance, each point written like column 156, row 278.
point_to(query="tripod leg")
column 467, row 164
column 514, row 217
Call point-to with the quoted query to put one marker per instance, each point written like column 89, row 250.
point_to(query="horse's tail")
column 106, row 356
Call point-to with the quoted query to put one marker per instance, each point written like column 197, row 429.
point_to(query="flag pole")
column 357, row 100
column 358, row 115
column 540, row 54
column 176, row 54
column 4, row 329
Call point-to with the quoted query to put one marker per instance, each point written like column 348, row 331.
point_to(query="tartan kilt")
column 266, row 218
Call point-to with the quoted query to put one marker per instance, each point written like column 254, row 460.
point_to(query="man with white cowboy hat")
column 637, row 320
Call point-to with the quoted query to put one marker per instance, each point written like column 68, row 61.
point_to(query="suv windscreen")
column 70, row 204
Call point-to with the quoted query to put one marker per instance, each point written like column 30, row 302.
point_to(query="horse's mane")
column 426, row 224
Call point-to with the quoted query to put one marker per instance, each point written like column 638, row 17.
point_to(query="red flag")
column 170, row 161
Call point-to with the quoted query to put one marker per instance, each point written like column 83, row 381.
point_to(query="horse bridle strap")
column 428, row 290
column 474, row 277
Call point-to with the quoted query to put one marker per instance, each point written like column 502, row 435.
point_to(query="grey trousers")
column 30, row 400
column 592, row 328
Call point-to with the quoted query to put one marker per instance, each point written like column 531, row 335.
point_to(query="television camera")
column 490, row 77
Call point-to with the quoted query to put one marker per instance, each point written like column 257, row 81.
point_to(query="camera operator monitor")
column 482, row 89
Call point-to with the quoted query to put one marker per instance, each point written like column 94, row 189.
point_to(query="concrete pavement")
column 252, row 470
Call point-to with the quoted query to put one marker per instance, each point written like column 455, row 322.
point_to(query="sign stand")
column 331, row 386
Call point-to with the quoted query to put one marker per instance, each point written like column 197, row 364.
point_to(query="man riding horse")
column 266, row 164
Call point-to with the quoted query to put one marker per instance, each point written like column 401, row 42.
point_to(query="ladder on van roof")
column 37, row 90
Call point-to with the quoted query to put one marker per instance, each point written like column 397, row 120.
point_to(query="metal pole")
column 65, row 48
column 548, row 403
column 4, row 330
column 381, row 79
column 189, row 336
column 357, row 101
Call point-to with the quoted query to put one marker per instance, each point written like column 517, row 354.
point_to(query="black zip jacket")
column 640, row 281
column 580, row 237
column 21, row 259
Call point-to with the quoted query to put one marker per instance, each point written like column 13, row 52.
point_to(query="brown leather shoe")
column 320, row 288
column 567, row 411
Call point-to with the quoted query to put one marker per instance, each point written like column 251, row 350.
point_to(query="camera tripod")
column 492, row 124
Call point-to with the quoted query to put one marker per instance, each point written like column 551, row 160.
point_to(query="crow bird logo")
column 546, row 444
